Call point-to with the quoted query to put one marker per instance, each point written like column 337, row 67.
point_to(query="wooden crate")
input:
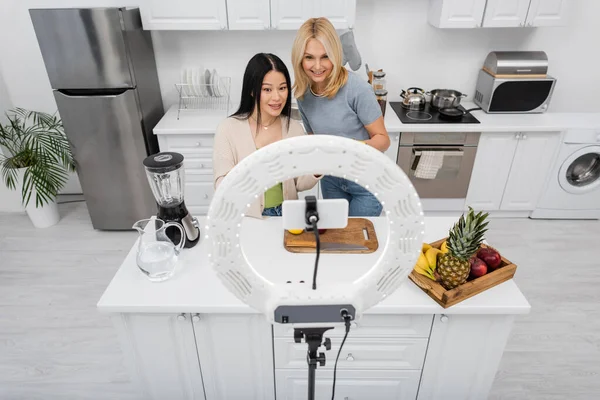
column 447, row 298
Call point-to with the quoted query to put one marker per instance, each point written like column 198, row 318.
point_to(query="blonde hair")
column 323, row 31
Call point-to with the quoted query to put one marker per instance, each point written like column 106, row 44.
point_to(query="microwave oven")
column 513, row 95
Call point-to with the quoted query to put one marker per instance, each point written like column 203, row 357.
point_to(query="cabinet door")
column 290, row 14
column 456, row 13
column 450, row 371
column 392, row 151
column 505, row 13
column 547, row 13
column 184, row 14
column 341, row 13
column 236, row 356
column 292, row 384
column 160, row 353
column 495, row 153
column 248, row 14
column 529, row 170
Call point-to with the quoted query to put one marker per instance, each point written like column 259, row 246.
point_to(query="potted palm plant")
column 36, row 160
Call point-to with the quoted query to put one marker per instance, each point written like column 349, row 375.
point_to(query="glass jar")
column 379, row 80
column 381, row 96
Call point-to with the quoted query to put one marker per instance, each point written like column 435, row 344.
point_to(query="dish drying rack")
column 204, row 96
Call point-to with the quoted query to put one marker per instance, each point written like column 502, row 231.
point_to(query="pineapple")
column 464, row 240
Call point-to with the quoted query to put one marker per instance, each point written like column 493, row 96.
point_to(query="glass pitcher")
column 157, row 254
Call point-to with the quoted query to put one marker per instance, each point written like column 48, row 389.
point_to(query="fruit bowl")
column 447, row 298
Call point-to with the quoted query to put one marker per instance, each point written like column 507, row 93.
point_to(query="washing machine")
column 573, row 189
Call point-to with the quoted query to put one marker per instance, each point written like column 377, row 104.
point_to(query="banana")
column 422, row 262
column 425, row 248
column 444, row 247
column 431, row 257
column 424, row 272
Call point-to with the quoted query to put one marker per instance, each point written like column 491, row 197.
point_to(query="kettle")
column 413, row 98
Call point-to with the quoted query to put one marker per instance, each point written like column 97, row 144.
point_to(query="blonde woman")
column 335, row 102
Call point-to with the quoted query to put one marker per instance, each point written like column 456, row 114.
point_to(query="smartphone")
column 333, row 214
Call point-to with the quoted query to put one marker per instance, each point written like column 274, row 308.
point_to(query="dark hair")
column 259, row 66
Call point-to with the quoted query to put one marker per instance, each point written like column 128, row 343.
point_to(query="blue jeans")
column 362, row 202
column 272, row 212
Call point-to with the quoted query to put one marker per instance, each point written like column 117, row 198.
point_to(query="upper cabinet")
column 456, row 13
column 248, row 14
column 505, row 13
column 290, row 14
column 244, row 14
column 496, row 13
column 184, row 14
column 547, row 13
column 341, row 13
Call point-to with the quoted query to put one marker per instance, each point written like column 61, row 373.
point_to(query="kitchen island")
column 190, row 338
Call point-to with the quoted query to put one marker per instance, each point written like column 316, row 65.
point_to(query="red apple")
column 478, row 268
column 490, row 256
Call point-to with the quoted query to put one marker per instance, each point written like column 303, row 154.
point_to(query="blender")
column 166, row 177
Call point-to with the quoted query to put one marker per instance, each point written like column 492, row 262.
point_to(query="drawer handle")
column 350, row 357
column 206, row 196
column 444, row 318
column 198, row 144
column 201, row 165
column 354, row 325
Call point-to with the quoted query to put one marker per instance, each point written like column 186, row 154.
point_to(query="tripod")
column 314, row 338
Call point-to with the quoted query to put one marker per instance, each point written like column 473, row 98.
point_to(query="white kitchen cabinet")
column 184, row 14
column 236, row 356
column 463, row 355
column 355, row 385
column 547, row 13
column 456, row 13
column 341, row 13
column 505, row 13
column 392, row 151
column 510, row 170
column 248, row 14
column 496, row 13
column 197, row 150
column 291, row 14
column 358, row 353
column 495, row 153
column 159, row 353
column 529, row 170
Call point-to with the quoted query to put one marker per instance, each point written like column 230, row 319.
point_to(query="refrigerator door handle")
column 113, row 92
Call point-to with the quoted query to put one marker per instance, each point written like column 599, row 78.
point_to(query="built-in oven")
column 439, row 164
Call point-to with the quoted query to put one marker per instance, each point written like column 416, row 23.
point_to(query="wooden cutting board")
column 353, row 233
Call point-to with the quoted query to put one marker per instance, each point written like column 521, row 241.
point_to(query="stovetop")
column 429, row 115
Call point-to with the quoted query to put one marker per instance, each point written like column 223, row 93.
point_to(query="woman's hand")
column 379, row 136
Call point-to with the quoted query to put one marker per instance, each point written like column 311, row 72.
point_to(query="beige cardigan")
column 234, row 142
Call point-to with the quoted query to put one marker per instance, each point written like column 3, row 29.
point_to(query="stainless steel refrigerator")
column 103, row 73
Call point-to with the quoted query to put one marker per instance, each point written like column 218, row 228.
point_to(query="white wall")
column 10, row 200
column 391, row 34
column 394, row 35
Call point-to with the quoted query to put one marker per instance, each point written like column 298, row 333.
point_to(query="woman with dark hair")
column 262, row 118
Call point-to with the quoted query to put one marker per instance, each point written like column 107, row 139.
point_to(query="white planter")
column 41, row 217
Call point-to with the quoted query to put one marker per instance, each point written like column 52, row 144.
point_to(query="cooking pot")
column 446, row 98
column 413, row 98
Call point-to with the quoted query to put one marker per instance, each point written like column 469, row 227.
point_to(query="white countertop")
column 195, row 288
column 206, row 122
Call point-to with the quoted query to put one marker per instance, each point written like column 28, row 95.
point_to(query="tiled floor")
column 55, row 345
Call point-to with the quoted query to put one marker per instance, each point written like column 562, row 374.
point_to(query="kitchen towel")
column 429, row 164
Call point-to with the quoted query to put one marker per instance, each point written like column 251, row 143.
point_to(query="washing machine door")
column 580, row 172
